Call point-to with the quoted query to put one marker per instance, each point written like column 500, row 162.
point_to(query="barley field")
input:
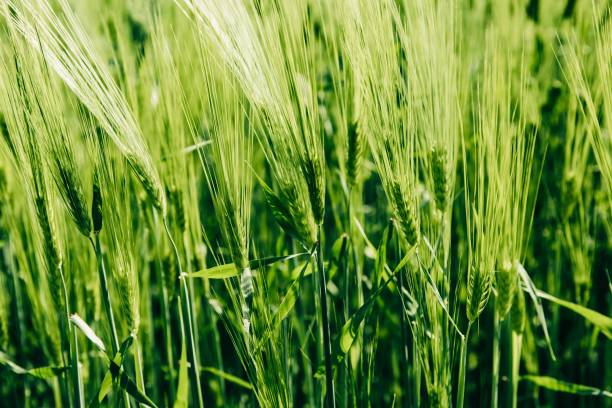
column 305, row 203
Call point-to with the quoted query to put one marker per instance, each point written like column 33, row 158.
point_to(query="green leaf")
column 128, row 385
column 228, row 377
column 229, row 270
column 554, row 384
column 531, row 290
column 602, row 322
column 112, row 373
column 44, row 373
column 182, row 391
column 381, row 257
column 262, row 262
column 217, row 272
column 286, row 305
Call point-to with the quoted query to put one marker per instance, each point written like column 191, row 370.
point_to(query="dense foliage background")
column 305, row 203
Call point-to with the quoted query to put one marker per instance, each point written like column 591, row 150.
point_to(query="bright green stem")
column 77, row 381
column 462, row 367
column 495, row 368
column 186, row 307
column 517, row 341
column 329, row 374
column 138, row 366
column 416, row 375
column 166, row 319
column 106, row 300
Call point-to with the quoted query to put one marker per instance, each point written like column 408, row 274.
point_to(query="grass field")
column 276, row 203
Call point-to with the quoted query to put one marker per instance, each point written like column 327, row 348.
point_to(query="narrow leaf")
column 602, row 322
column 182, row 391
column 228, row 377
column 554, row 384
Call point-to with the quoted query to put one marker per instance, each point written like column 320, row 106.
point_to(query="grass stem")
column 329, row 374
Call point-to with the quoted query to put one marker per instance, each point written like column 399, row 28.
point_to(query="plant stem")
column 138, row 365
column 185, row 304
column 106, row 300
column 77, row 382
column 517, row 340
column 495, row 368
column 165, row 316
column 330, row 394
column 462, row 367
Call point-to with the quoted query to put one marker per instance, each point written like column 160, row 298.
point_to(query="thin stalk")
column 462, row 367
column 517, row 341
column 165, row 317
column 404, row 349
column 20, row 325
column 106, row 300
column 77, row 381
column 330, row 394
column 495, row 368
column 416, row 375
column 138, row 365
column 185, row 304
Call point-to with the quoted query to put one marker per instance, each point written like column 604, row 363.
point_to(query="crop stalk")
column 330, row 395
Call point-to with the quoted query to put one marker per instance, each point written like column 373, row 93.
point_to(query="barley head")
column 506, row 282
column 355, row 152
column 96, row 206
column 478, row 290
column 405, row 213
column 438, row 162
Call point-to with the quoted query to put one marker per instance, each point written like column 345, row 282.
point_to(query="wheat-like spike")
column 438, row 162
column 96, row 205
column 506, row 282
column 355, row 153
column 69, row 52
column 313, row 174
column 405, row 214
column 518, row 313
column 478, row 291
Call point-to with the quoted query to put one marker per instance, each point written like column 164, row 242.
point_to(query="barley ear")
column 96, row 206
column 355, row 151
column 478, row 290
column 313, row 174
column 52, row 251
column 147, row 176
column 67, row 180
column 439, row 172
column 405, row 214
column 506, row 281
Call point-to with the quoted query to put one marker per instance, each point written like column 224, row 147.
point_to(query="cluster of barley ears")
column 305, row 202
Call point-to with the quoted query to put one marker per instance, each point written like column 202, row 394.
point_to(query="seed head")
column 478, row 290
column 355, row 151
column 405, row 214
column 96, row 206
column 313, row 174
column 148, row 178
column 506, row 280
column 439, row 174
